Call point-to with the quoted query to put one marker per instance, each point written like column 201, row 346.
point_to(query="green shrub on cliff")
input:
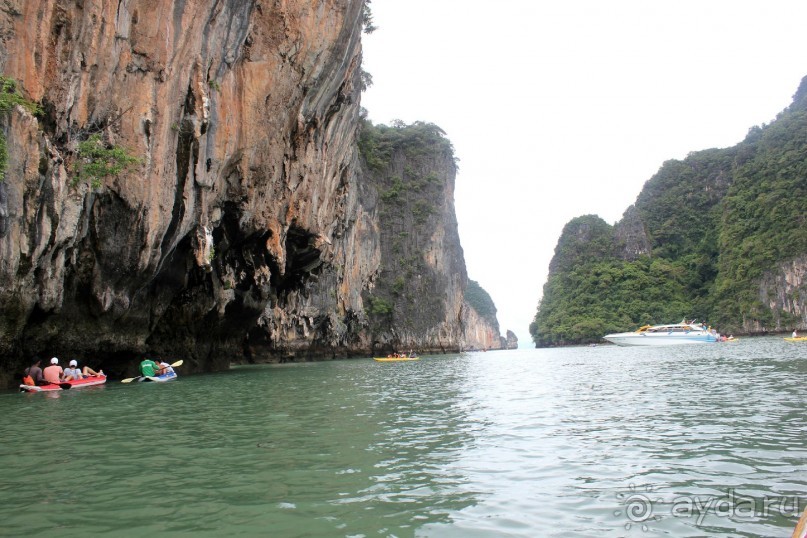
column 378, row 306
column 378, row 143
column 10, row 97
column 97, row 160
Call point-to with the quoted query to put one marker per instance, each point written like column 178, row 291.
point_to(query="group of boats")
column 648, row 335
column 94, row 380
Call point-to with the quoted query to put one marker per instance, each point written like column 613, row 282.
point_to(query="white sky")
column 565, row 108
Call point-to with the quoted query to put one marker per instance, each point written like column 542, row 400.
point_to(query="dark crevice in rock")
column 301, row 259
column 186, row 155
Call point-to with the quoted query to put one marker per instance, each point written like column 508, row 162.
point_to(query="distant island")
column 720, row 237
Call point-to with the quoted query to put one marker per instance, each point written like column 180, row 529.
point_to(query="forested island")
column 720, row 236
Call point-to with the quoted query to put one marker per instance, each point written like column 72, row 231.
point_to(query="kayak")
column 395, row 359
column 89, row 381
column 159, row 378
column 797, row 339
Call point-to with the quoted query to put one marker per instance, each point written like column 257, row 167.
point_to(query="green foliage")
column 378, row 143
column 10, row 97
column 378, row 306
column 366, row 80
column 421, row 211
column 583, row 238
column 681, row 203
column 597, row 297
column 367, row 18
column 480, row 300
column 97, row 161
column 393, row 194
column 764, row 218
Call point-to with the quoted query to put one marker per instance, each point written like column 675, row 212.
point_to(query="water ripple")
column 525, row 443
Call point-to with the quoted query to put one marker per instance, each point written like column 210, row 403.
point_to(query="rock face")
column 631, row 236
column 246, row 230
column 781, row 291
column 511, row 340
column 480, row 334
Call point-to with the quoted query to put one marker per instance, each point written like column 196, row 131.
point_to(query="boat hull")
column 158, row 378
column 633, row 339
column 395, row 359
column 89, row 381
column 797, row 339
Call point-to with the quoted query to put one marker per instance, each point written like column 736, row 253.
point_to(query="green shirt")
column 149, row 368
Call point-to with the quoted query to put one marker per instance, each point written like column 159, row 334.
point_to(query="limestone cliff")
column 510, row 340
column 417, row 297
column 246, row 230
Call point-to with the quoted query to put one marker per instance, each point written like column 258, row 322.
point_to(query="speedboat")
column 666, row 335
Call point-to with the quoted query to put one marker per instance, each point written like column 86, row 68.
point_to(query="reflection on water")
column 570, row 442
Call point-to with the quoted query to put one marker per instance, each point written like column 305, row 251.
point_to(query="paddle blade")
column 129, row 379
column 178, row 363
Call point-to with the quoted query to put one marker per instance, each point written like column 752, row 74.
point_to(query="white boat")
column 666, row 335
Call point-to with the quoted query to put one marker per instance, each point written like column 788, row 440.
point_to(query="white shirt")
column 75, row 372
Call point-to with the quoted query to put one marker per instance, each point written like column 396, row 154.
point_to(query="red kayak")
column 88, row 381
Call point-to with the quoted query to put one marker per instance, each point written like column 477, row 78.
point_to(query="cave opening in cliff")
column 302, row 260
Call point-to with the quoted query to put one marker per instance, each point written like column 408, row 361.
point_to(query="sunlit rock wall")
column 242, row 115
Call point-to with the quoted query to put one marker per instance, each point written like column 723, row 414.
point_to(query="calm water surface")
column 602, row 441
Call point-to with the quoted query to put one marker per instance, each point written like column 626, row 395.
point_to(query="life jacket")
column 28, row 380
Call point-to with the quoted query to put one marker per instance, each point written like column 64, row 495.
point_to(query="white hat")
column 54, row 360
column 73, row 363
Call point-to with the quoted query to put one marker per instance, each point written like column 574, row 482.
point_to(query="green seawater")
column 705, row 440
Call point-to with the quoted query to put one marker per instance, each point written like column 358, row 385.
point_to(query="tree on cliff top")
column 480, row 300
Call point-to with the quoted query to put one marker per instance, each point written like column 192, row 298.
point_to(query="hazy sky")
column 565, row 108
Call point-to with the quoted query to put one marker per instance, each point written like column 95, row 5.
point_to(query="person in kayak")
column 149, row 368
column 54, row 372
column 34, row 373
column 72, row 373
column 86, row 371
column 165, row 368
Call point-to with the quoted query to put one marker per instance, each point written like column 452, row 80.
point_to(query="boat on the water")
column 796, row 339
column 170, row 376
column 395, row 359
column 88, row 381
column 665, row 335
